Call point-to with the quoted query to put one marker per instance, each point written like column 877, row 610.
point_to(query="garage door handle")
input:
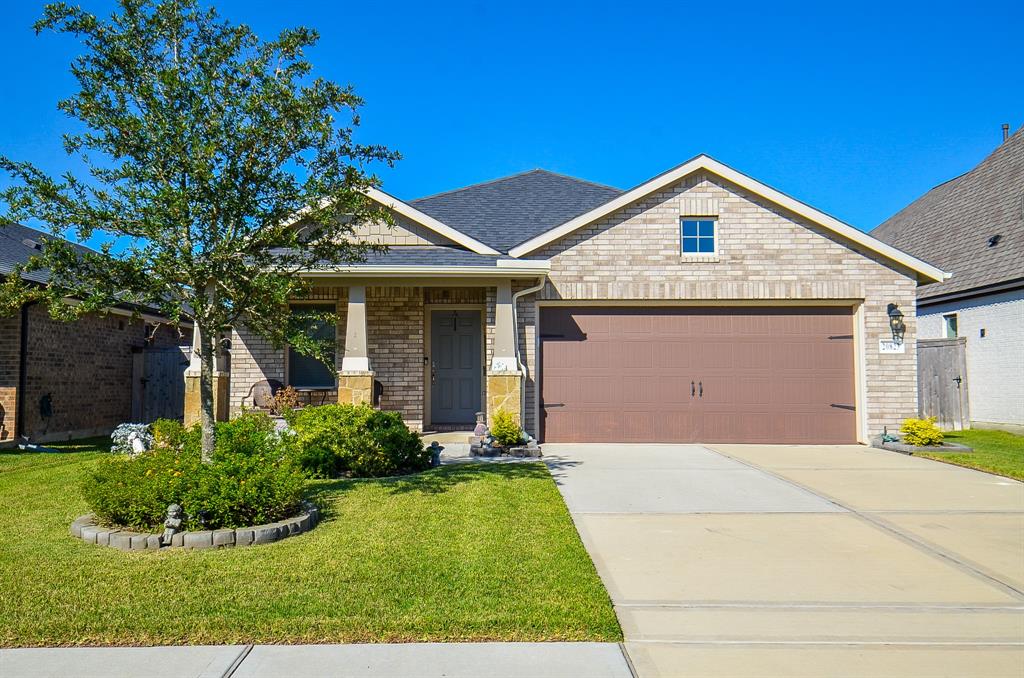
column 700, row 387
column 693, row 389
column 554, row 405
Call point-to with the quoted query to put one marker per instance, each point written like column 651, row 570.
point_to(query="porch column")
column 193, row 375
column 504, row 380
column 355, row 380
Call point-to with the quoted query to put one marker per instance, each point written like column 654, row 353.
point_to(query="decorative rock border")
column 903, row 448
column 86, row 529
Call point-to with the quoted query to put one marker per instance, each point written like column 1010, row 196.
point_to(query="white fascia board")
column 706, row 163
column 539, row 268
column 410, row 212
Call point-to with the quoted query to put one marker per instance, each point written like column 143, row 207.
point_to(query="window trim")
column 288, row 348
column 700, row 256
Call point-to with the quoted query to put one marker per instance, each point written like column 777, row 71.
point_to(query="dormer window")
column 699, row 236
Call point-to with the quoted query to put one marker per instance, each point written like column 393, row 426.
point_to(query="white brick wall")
column 995, row 362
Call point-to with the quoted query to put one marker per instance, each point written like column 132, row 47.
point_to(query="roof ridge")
column 535, row 170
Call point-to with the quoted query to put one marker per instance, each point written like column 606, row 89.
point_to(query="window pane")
column 689, row 244
column 707, row 228
column 304, row 371
column 689, row 228
column 707, row 244
column 951, row 328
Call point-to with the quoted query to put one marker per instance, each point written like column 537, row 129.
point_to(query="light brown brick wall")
column 765, row 254
column 10, row 335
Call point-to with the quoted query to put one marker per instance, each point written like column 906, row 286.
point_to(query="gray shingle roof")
column 505, row 212
column 430, row 255
column 17, row 246
column 950, row 225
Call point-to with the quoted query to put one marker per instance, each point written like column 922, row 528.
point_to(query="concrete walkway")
column 422, row 660
column 802, row 561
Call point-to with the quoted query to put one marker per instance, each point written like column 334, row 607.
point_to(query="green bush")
column 505, row 430
column 252, row 479
column 356, row 441
column 921, row 432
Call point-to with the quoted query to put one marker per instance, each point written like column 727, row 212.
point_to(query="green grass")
column 994, row 451
column 472, row 552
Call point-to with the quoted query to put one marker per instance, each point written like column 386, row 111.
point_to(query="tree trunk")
column 207, row 419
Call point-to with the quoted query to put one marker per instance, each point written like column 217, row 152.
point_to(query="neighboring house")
column 67, row 380
column 973, row 227
column 700, row 305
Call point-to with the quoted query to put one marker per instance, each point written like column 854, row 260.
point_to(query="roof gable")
column 925, row 272
column 509, row 210
column 951, row 224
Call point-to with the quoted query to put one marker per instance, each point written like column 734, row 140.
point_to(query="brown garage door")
column 745, row 375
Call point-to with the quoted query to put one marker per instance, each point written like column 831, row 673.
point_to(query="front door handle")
column 433, row 372
column 700, row 388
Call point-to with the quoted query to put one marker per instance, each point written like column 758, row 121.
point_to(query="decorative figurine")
column 172, row 525
column 435, row 454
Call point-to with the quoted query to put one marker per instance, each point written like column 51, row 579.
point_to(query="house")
column 68, row 380
column 701, row 305
column 973, row 227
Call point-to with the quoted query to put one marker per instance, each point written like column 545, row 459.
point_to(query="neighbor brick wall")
column 86, row 367
column 995, row 362
column 10, row 335
column 765, row 254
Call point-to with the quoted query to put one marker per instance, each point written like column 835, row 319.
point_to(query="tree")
column 201, row 143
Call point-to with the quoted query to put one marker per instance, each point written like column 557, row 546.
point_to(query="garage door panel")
column 768, row 375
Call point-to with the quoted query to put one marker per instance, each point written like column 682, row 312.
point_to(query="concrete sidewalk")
column 422, row 660
column 790, row 561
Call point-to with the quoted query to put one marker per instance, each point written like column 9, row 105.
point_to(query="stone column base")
column 193, row 399
column 355, row 388
column 503, row 393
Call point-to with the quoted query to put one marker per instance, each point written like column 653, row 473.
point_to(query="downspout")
column 515, row 326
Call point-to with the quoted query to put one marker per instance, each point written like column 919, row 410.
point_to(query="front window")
column 951, row 328
column 306, row 371
column 698, row 236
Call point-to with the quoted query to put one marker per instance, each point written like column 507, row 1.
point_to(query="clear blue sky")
column 855, row 108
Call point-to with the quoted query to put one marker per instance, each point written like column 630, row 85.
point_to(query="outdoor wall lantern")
column 896, row 323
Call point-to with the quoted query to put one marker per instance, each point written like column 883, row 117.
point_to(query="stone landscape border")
column 911, row 449
column 86, row 529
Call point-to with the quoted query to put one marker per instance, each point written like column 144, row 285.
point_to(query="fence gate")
column 159, row 384
column 942, row 382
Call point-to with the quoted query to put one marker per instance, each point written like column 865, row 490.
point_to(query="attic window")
column 698, row 236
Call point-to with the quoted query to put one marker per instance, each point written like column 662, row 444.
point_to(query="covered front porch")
column 437, row 349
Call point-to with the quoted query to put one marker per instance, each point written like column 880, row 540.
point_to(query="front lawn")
column 994, row 451
column 469, row 552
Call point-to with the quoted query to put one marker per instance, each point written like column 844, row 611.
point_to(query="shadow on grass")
column 433, row 481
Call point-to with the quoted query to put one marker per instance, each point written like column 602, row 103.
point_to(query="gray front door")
column 456, row 367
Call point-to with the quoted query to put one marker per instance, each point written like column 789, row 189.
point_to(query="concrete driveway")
column 740, row 560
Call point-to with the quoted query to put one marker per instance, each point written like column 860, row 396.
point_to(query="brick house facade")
column 83, row 369
column 571, row 244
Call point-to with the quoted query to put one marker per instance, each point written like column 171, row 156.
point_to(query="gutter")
column 502, row 269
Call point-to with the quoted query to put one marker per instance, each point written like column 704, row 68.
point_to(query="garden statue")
column 172, row 525
column 435, row 454
column 481, row 428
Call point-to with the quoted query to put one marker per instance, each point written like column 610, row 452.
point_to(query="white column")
column 357, row 358
column 504, row 359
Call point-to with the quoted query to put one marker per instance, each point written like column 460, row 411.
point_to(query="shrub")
column 357, row 441
column 505, row 430
column 285, row 400
column 252, row 479
column 921, row 432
